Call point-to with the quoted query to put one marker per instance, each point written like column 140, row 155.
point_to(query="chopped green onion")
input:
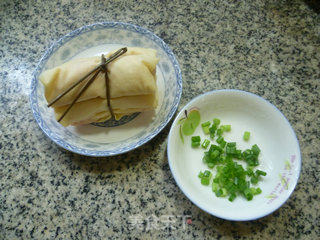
column 247, row 154
column 215, row 147
column 254, row 180
column 226, row 128
column 207, row 173
column 231, row 144
column 224, row 192
column 214, row 187
column 205, row 127
column 219, row 132
column 231, row 179
column 216, row 121
column 258, row 191
column 206, row 158
column 214, row 154
column 231, row 150
column 195, row 144
column 210, row 165
column 255, row 191
column 248, row 194
column 250, row 171
column 223, row 144
column 220, row 139
column 195, row 139
column 246, row 136
column 223, row 159
column 206, row 130
column 262, row 173
column 232, row 197
column 205, row 143
column 237, row 155
column 205, row 124
column 219, row 193
column 213, row 129
column 205, row 181
column 255, row 149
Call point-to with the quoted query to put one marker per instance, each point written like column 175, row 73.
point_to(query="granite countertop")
column 270, row 48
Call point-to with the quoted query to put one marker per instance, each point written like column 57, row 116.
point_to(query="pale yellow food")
column 133, row 87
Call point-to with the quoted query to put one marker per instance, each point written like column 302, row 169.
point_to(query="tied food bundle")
column 131, row 86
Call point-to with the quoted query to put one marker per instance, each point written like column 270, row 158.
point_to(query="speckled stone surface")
column 271, row 48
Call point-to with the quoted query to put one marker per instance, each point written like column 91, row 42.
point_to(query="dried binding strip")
column 103, row 68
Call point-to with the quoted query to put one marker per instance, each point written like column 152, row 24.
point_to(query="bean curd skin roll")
column 132, row 84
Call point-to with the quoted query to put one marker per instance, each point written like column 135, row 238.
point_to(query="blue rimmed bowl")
column 111, row 138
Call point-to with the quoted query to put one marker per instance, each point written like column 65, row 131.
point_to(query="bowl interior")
column 105, row 141
column 280, row 154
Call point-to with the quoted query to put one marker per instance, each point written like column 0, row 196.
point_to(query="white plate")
column 128, row 133
column 270, row 130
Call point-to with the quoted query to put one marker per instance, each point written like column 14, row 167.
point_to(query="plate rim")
column 87, row 28
column 191, row 198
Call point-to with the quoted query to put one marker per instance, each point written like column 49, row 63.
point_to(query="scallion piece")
column 226, row 128
column 195, row 139
column 215, row 147
column 214, row 154
column 205, row 181
column 260, row 173
column 216, row 121
column 210, row 165
column 231, row 150
column 215, row 187
column 195, row 144
column 219, row 193
column 222, row 144
column 207, row 174
column 246, row 136
column 248, row 194
column 224, row 192
column 206, row 130
column 254, row 180
column 219, row 131
column 205, row 124
column 212, row 131
column 255, row 191
column 205, row 158
column 205, row 127
column 238, row 154
column 250, row 171
column 255, row 149
column 232, row 144
column 220, row 139
column 232, row 197
column 205, row 144
column 258, row 191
